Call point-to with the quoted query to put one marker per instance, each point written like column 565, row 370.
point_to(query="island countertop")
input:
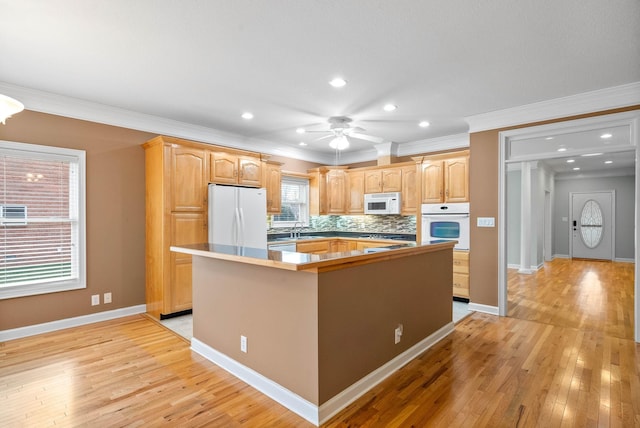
column 306, row 261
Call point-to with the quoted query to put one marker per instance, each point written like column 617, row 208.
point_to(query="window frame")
column 300, row 181
column 78, row 157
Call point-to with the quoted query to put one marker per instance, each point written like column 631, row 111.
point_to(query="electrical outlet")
column 95, row 299
column 107, row 298
column 243, row 344
column 398, row 333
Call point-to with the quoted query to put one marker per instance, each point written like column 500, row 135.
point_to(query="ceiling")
column 205, row 63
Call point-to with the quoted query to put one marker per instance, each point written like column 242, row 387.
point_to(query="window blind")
column 293, row 200
column 38, row 219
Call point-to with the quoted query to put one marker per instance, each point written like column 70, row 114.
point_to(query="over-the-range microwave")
column 382, row 203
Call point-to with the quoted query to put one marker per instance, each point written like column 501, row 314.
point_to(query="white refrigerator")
column 238, row 216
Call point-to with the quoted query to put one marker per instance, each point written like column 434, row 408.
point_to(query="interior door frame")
column 613, row 221
column 631, row 119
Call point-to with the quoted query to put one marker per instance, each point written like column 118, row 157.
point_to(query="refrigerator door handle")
column 242, row 226
column 236, row 226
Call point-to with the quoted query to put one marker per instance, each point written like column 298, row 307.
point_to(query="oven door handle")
column 445, row 215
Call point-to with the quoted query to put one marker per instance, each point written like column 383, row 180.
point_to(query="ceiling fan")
column 340, row 131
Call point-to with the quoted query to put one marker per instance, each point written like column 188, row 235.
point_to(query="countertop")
column 305, row 261
column 287, row 237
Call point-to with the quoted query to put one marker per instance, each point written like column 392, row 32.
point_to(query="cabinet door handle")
column 235, row 172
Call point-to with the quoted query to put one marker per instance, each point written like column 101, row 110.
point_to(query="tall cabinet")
column 176, row 213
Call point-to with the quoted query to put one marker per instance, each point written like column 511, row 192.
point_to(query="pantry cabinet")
column 176, row 214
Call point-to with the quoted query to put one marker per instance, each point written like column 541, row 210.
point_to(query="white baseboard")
column 561, row 256
column 47, row 327
column 355, row 391
column 624, row 260
column 292, row 401
column 492, row 310
column 282, row 395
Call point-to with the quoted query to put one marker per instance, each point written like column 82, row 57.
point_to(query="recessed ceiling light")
column 338, row 82
column 424, row 124
column 609, row 161
column 300, row 130
column 605, row 136
column 390, row 107
column 586, row 155
column 549, row 138
column 562, row 149
column 246, row 115
column 302, row 143
column 576, row 169
column 571, row 160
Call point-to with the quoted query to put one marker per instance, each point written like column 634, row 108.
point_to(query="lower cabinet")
column 315, row 247
column 461, row 274
column 186, row 228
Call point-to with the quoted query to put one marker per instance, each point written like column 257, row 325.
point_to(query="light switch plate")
column 486, row 222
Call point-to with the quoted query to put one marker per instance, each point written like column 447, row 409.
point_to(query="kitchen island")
column 319, row 329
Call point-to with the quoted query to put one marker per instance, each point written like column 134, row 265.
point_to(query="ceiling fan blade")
column 359, row 136
column 322, row 138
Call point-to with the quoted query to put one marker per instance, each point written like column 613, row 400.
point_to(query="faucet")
column 295, row 234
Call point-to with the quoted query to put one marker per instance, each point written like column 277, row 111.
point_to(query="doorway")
column 592, row 225
column 583, row 138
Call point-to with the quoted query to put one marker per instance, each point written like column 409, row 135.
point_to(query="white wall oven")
column 446, row 221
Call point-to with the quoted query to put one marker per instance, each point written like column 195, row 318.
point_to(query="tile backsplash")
column 359, row 223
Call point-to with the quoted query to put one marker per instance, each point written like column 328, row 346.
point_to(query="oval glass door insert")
column 591, row 223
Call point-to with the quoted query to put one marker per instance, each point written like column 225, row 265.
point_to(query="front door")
column 592, row 225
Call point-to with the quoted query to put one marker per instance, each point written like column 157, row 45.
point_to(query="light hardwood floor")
column 563, row 359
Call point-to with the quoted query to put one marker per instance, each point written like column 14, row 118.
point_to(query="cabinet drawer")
column 461, row 261
column 313, row 247
column 461, row 285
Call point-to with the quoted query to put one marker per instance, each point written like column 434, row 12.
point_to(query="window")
column 295, row 202
column 42, row 219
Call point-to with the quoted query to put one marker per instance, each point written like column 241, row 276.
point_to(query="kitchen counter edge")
column 305, row 261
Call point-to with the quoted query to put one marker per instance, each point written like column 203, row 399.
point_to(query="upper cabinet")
column 383, row 180
column 355, row 192
column 327, row 190
column 409, row 190
column 229, row 168
column 445, row 179
column 188, row 168
column 272, row 181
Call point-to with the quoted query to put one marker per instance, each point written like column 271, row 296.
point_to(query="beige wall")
column 115, row 216
column 483, row 188
column 318, row 333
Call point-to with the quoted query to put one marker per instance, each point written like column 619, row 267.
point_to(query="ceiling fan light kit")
column 339, row 143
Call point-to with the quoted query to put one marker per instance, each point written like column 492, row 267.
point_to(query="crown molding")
column 75, row 108
column 448, row 142
column 587, row 102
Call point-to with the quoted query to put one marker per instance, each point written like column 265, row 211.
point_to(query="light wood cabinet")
column 327, row 190
column 355, row 192
column 461, row 274
column 186, row 228
column 409, row 190
column 272, row 181
column 363, row 245
column 336, row 191
column 187, row 175
column 230, row 168
column 316, row 247
column 445, row 180
column 383, row 180
column 176, row 214
column 456, row 180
